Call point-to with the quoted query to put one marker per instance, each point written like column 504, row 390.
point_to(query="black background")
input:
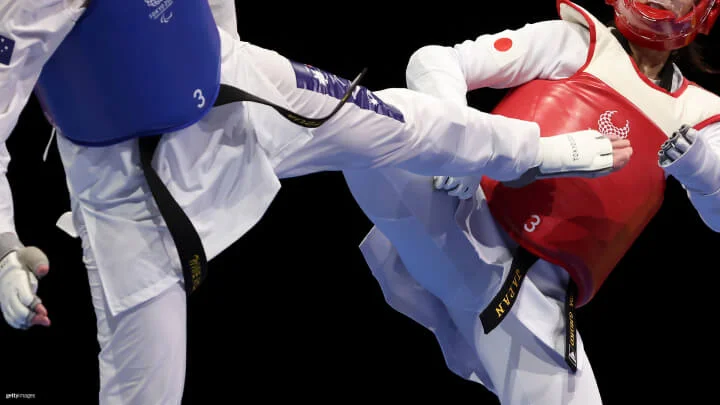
column 291, row 312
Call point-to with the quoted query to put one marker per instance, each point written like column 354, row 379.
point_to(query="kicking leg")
column 393, row 127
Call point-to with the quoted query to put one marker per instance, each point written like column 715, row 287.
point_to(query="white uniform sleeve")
column 30, row 31
column 225, row 16
column 698, row 170
column 545, row 50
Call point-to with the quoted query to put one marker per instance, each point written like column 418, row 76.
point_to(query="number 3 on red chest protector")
column 532, row 223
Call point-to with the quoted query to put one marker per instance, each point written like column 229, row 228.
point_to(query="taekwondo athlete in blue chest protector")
column 174, row 135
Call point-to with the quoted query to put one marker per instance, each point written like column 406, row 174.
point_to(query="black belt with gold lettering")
column 502, row 303
column 570, row 326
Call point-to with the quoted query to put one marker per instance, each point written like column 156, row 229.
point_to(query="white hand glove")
column 19, row 273
column 585, row 153
column 690, row 159
column 580, row 154
column 460, row 187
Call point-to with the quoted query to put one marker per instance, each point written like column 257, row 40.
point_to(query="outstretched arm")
column 546, row 50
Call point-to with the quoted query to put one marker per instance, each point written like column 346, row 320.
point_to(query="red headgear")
column 664, row 24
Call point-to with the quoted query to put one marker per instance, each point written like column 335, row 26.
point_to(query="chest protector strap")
column 132, row 68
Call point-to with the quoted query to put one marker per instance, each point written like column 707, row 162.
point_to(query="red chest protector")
column 583, row 225
column 587, row 225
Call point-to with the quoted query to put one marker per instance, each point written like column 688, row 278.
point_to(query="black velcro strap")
column 187, row 241
column 506, row 297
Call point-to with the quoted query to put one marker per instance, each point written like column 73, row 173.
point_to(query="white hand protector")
column 579, row 154
column 689, row 158
column 460, row 187
column 585, row 153
column 676, row 146
column 19, row 283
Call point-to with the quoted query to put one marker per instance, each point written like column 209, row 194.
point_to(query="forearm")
column 7, row 212
column 7, row 221
column 694, row 160
column 708, row 207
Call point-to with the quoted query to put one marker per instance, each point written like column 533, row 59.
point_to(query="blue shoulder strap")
column 133, row 68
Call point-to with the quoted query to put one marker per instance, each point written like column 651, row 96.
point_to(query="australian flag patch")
column 7, row 46
column 314, row 79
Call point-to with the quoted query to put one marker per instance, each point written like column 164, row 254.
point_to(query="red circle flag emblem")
column 503, row 44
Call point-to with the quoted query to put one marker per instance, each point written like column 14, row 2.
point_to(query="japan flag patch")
column 505, row 48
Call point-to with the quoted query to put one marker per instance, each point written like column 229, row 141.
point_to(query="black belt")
column 499, row 307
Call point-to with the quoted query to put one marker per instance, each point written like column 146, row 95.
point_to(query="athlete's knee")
column 375, row 194
column 144, row 376
column 422, row 118
column 143, row 359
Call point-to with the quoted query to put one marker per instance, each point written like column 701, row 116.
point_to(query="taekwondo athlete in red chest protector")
column 497, row 278
column 167, row 167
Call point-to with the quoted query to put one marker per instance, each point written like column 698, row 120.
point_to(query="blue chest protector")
column 133, row 68
column 140, row 69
